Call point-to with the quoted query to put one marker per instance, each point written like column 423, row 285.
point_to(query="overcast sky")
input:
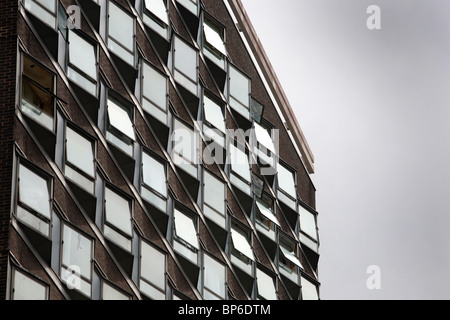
column 375, row 108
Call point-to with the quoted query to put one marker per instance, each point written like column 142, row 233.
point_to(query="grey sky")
column 375, row 108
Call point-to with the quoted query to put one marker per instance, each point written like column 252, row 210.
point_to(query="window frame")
column 63, row 267
column 204, row 286
column 187, row 165
column 21, row 162
column 210, row 131
column 238, row 258
column 84, row 175
column 209, row 50
column 116, row 41
column 44, row 10
column 270, row 276
column 175, row 70
column 162, row 291
column 236, row 178
column 285, row 195
column 212, row 210
column 12, row 281
column 69, row 65
column 305, row 237
column 24, row 56
column 181, row 245
column 232, row 98
column 261, row 226
column 291, row 270
column 153, row 21
column 148, row 188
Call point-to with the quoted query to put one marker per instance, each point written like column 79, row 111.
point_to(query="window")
column 185, row 148
column 240, row 172
column 154, row 93
column 214, row 42
column 80, row 169
column 288, row 261
column 152, row 272
column 77, row 257
column 37, row 93
column 214, row 201
column 239, row 91
column 308, row 227
column 266, row 286
column 186, row 239
column 263, row 145
column 214, row 121
column 185, row 65
column 191, row 5
column 157, row 17
column 309, row 290
column 120, row 129
column 26, row 287
column 82, row 68
column 214, row 279
column 34, row 200
column 121, row 33
column 287, row 190
column 241, row 249
column 45, row 10
column 118, row 219
column 154, row 182
column 266, row 220
column 110, row 293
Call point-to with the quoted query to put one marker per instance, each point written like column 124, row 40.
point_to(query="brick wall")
column 8, row 40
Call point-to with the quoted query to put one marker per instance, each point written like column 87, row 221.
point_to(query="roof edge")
column 256, row 46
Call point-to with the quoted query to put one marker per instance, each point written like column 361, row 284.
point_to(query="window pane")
column 185, row 229
column 121, row 26
column 155, row 87
column 77, row 251
column 266, row 286
column 290, row 255
column 153, row 266
column 79, row 152
column 112, row 294
column 49, row 4
column 286, row 181
column 214, row 114
column 184, row 142
column 186, row 60
column 239, row 86
column 214, row 276
column 158, row 8
column 26, row 288
column 264, row 138
column 34, row 191
column 265, row 210
column 214, row 37
column 309, row 290
column 308, row 223
column 120, row 119
column 117, row 211
column 239, row 163
column 214, row 193
column 82, row 55
column 154, row 174
column 242, row 244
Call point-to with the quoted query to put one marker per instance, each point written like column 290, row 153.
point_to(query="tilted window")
column 214, row 205
column 266, row 286
column 239, row 88
column 287, row 190
column 308, row 228
column 27, row 288
column 214, row 279
column 155, row 93
column 186, row 236
column 241, row 249
column 38, row 94
column 266, row 220
column 185, row 65
column 45, row 10
column 240, row 173
column 152, row 272
column 82, row 68
column 309, row 290
column 191, row 5
column 34, row 201
column 214, row 125
column 289, row 262
column 154, row 182
column 185, row 148
column 214, row 42
column 121, row 37
column 157, row 17
column 120, row 129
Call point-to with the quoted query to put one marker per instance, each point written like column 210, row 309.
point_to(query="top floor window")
column 121, row 33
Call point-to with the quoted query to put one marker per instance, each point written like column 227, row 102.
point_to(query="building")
column 148, row 152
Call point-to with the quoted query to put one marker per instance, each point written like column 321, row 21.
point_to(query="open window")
column 287, row 187
column 266, row 221
column 77, row 261
column 241, row 249
column 155, row 93
column 240, row 171
column 289, row 263
column 118, row 219
column 185, row 65
column 264, row 147
column 82, row 63
column 214, row 128
column 80, row 169
column 121, row 33
column 266, row 289
column 152, row 271
column 38, row 102
column 156, row 16
column 214, row 199
column 239, row 90
column 34, row 200
column 154, row 182
column 191, row 5
column 120, row 126
column 186, row 240
column 26, row 287
column 45, row 10
column 214, row 279
column 214, row 41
